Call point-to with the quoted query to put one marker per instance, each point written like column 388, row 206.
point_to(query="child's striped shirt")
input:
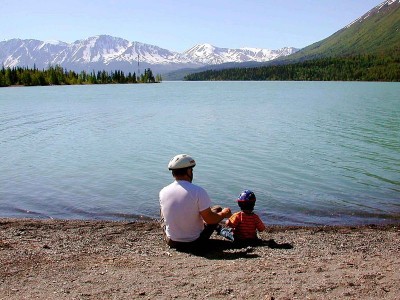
column 245, row 225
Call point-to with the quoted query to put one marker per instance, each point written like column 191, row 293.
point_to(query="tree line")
column 354, row 68
column 56, row 75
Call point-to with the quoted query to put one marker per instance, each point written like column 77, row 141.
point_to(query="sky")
column 180, row 25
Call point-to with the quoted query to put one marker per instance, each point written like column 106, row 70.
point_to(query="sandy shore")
column 128, row 260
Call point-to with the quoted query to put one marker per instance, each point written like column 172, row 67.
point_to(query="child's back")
column 245, row 225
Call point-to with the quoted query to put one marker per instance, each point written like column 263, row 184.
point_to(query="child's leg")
column 226, row 233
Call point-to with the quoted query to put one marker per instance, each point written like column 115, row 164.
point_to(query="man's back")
column 181, row 203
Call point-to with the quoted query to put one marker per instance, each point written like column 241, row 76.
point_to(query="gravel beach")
column 68, row 259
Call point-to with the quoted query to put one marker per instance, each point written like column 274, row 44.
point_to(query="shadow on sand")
column 226, row 250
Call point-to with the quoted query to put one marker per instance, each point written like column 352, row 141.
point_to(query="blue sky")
column 179, row 25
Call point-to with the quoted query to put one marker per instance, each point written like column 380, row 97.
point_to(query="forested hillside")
column 377, row 32
column 355, row 68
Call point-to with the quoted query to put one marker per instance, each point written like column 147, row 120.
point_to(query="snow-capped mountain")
column 210, row 55
column 105, row 52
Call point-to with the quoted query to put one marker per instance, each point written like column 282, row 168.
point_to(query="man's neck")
column 184, row 178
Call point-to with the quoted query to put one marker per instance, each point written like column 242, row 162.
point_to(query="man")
column 188, row 218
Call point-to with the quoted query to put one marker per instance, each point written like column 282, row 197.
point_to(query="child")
column 245, row 223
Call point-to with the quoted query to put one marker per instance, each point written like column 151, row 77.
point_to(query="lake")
column 314, row 153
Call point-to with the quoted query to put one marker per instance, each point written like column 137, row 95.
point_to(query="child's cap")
column 246, row 196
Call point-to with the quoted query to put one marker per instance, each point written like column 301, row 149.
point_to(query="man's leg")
column 210, row 228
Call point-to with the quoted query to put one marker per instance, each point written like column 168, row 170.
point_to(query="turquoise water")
column 313, row 152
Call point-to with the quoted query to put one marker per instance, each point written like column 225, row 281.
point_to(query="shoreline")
column 99, row 259
column 346, row 220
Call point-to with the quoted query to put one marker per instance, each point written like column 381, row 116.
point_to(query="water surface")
column 313, row 152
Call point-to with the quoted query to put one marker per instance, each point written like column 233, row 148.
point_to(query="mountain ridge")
column 375, row 32
column 105, row 52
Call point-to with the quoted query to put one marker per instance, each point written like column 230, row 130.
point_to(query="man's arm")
column 211, row 217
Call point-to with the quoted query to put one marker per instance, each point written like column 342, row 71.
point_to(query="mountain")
column 368, row 49
column 109, row 53
column 215, row 59
column 95, row 53
column 376, row 32
column 211, row 55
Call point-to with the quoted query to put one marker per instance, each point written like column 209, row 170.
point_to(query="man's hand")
column 226, row 213
column 211, row 217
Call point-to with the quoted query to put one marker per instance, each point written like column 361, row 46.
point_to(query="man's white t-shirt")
column 181, row 203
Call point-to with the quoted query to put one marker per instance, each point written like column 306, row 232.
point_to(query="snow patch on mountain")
column 376, row 9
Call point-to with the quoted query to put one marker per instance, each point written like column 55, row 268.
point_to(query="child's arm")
column 233, row 221
column 229, row 223
column 260, row 225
